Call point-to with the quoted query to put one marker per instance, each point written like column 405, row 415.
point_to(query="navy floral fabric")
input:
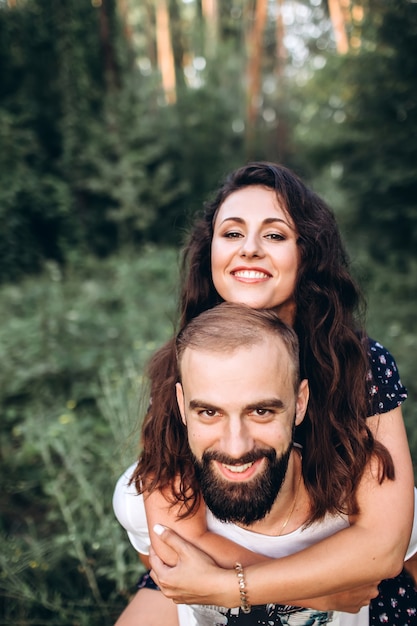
column 385, row 387
column 278, row 615
column 396, row 604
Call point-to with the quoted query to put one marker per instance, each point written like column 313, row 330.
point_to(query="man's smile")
column 239, row 472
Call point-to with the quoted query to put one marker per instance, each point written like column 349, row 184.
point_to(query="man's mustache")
column 249, row 457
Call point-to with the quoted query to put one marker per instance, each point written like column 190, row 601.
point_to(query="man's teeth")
column 238, row 468
column 250, row 274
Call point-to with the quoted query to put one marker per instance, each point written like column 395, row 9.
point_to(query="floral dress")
column 396, row 603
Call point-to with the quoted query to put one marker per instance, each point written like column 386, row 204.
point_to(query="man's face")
column 240, row 410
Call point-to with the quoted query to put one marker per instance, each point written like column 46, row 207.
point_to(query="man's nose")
column 237, row 440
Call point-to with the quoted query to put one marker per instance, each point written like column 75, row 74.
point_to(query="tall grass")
column 72, row 350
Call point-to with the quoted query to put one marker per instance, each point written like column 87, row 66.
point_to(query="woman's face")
column 254, row 253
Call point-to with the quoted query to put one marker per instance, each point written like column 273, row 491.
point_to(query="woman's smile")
column 254, row 274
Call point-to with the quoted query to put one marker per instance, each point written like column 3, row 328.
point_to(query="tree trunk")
column 282, row 135
column 164, row 51
column 124, row 16
column 280, row 47
column 210, row 12
column 337, row 16
column 177, row 41
column 255, row 56
column 150, row 13
column 111, row 69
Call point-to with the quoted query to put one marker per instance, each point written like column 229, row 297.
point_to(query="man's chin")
column 241, row 494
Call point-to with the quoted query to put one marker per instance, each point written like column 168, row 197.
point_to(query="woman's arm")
column 208, row 572
column 195, row 527
column 371, row 549
column 224, row 551
column 411, row 568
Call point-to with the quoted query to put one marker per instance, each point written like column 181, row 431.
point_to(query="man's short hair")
column 228, row 327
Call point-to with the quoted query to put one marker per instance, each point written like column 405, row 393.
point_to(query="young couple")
column 268, row 242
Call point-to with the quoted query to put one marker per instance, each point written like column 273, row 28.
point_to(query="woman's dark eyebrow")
column 267, row 220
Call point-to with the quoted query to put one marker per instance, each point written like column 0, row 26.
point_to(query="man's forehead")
column 240, row 379
column 271, row 345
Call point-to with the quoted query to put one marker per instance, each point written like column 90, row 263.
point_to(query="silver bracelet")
column 244, row 601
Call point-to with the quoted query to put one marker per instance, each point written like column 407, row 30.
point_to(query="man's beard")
column 242, row 502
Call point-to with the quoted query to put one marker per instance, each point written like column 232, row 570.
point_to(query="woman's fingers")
column 166, row 576
column 185, row 550
column 182, row 582
column 171, row 538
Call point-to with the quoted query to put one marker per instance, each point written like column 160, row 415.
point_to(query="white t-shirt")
column 129, row 509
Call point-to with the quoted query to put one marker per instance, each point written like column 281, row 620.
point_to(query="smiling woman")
column 255, row 256
column 268, row 241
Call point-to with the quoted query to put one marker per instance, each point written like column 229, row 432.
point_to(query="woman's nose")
column 251, row 247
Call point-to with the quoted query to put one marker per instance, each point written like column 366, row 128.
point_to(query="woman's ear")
column 302, row 401
column 180, row 400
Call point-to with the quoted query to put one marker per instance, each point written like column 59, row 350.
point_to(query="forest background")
column 117, row 120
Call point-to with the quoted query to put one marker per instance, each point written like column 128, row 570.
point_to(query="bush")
column 72, row 348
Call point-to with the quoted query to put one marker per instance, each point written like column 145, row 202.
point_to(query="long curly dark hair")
column 333, row 356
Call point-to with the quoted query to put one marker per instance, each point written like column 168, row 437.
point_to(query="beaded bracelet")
column 244, row 602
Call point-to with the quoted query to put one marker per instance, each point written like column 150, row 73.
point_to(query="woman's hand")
column 195, row 579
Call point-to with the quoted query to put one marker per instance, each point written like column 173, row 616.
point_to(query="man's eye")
column 262, row 412
column 208, row 413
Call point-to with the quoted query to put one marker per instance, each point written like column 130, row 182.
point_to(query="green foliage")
column 92, row 158
column 392, row 301
column 360, row 127
column 49, row 89
column 356, row 123
column 34, row 204
column 72, row 349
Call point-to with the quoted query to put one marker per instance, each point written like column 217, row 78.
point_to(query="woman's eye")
column 275, row 236
column 232, row 235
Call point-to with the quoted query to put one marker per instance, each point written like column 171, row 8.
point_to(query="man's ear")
column 180, row 399
column 302, row 401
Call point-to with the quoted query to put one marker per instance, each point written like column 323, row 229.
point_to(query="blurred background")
column 118, row 118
